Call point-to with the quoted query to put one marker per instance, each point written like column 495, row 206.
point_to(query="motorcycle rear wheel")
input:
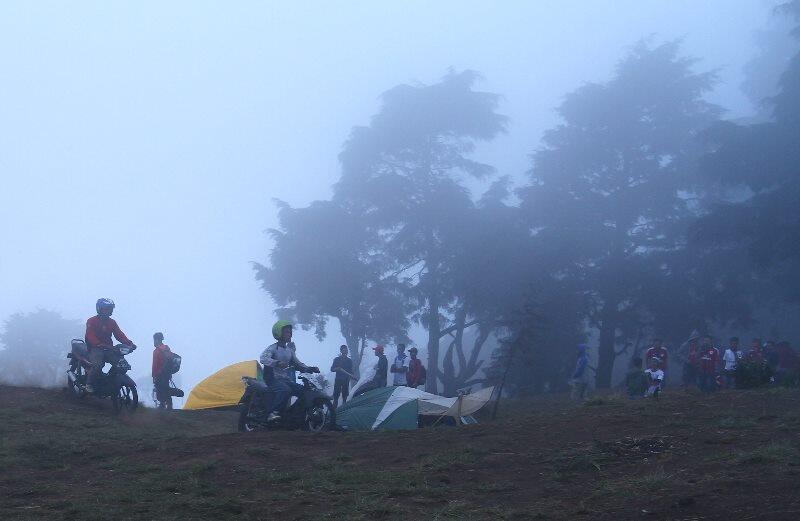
column 74, row 388
column 244, row 422
column 126, row 399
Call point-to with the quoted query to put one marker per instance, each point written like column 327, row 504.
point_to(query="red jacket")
column 99, row 330
column 755, row 354
column 657, row 352
column 416, row 372
column 708, row 360
column 159, row 359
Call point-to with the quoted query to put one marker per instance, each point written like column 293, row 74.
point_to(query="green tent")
column 397, row 408
column 360, row 413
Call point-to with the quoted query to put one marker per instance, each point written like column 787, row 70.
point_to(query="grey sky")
column 141, row 143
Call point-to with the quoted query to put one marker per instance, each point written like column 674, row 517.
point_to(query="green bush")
column 751, row 374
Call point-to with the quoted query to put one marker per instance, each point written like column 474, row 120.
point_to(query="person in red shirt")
column 416, row 371
column 99, row 330
column 709, row 359
column 691, row 362
column 161, row 377
column 658, row 351
column 754, row 353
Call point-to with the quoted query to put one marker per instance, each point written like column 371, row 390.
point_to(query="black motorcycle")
column 114, row 383
column 312, row 411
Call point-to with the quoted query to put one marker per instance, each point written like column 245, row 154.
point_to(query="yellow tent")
column 223, row 388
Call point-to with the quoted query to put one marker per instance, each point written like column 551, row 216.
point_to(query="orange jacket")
column 159, row 359
column 99, row 330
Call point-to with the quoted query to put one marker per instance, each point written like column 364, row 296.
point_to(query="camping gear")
column 396, row 408
column 173, row 364
column 223, row 388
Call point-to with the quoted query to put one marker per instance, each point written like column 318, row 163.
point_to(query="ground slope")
column 735, row 455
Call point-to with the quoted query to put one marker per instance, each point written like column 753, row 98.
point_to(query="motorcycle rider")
column 99, row 330
column 276, row 359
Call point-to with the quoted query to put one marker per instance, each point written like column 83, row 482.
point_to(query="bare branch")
column 447, row 331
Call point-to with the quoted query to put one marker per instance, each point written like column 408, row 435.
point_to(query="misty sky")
column 141, row 143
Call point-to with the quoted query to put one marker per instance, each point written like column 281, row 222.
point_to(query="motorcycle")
column 312, row 411
column 114, row 383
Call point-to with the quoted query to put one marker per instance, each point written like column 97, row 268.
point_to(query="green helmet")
column 277, row 329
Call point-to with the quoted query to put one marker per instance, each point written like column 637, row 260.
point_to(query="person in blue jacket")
column 580, row 378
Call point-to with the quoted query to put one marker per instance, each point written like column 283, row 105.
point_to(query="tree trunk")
column 353, row 346
column 433, row 343
column 607, row 354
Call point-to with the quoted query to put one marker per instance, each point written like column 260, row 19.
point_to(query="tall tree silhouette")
column 605, row 186
column 403, row 173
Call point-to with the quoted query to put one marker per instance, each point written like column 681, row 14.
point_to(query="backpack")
column 172, row 363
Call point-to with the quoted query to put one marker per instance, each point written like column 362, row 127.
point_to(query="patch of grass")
column 615, row 399
column 452, row 460
column 650, row 482
column 776, row 453
column 737, row 423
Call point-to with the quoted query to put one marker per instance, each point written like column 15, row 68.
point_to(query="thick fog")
column 142, row 143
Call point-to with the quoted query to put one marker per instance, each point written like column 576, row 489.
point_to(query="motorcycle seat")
column 259, row 385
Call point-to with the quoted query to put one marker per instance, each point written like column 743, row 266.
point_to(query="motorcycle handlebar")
column 307, row 370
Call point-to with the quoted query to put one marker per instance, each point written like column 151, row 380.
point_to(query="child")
column 655, row 378
column 635, row 380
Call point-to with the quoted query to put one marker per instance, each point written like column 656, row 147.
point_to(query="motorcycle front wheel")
column 320, row 417
column 126, row 399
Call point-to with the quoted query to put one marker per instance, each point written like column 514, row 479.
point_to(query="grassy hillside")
column 730, row 456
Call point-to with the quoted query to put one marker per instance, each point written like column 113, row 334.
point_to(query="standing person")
column 754, row 354
column 691, row 361
column 787, row 362
column 343, row 368
column 708, row 365
column 160, row 374
column 658, row 351
column 730, row 360
column 379, row 379
column 400, row 366
column 580, row 377
column 655, row 378
column 416, row 371
column 99, row 330
column 279, row 361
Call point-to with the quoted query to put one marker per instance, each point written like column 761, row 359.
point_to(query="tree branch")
column 450, row 329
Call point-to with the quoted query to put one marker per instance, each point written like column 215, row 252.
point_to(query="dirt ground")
column 733, row 455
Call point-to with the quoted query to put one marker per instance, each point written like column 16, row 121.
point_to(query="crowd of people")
column 703, row 365
column 280, row 363
column 406, row 369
